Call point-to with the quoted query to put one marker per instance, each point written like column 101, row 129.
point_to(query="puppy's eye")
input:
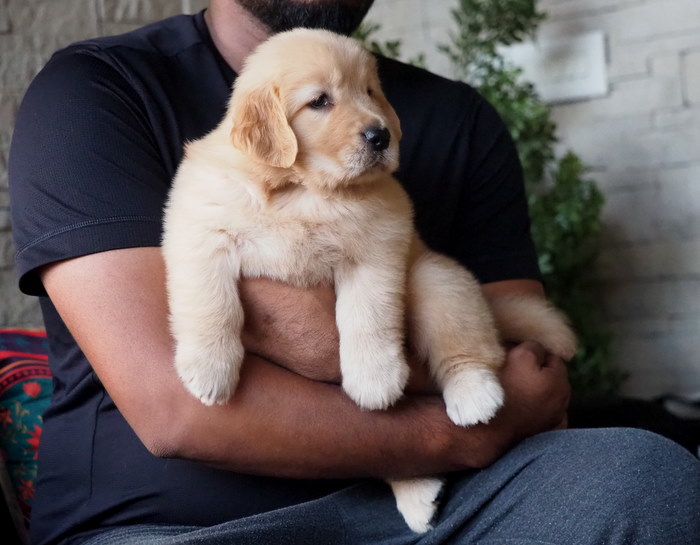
column 369, row 91
column 321, row 102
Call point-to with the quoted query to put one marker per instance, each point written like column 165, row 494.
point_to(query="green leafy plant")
column 565, row 206
column 389, row 48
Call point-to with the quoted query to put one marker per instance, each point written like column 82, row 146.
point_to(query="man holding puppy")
column 128, row 456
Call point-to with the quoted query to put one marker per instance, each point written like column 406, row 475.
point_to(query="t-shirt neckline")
column 201, row 25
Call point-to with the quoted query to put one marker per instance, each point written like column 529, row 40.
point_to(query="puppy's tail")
column 533, row 318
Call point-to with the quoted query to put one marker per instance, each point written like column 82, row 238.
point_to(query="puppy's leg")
column 450, row 325
column 370, row 319
column 206, row 318
column 529, row 317
column 417, row 501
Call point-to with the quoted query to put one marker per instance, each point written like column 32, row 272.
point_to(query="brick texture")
column 643, row 141
column 691, row 76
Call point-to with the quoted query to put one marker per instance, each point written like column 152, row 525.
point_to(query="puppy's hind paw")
column 473, row 396
column 562, row 342
column 417, row 501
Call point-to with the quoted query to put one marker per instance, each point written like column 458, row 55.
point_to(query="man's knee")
column 624, row 455
column 630, row 451
column 595, row 486
column 631, row 475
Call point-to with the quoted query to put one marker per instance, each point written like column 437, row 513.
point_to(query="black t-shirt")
column 97, row 140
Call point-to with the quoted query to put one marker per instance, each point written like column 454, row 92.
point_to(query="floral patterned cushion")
column 25, row 390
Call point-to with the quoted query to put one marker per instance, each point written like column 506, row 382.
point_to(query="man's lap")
column 575, row 486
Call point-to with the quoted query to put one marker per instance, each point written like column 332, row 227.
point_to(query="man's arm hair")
column 278, row 422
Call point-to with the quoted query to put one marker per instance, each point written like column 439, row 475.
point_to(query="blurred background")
column 614, row 82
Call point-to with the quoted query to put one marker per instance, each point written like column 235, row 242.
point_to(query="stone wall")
column 642, row 142
column 30, row 31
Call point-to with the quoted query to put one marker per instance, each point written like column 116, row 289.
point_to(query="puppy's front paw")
column 377, row 380
column 417, row 501
column 472, row 396
column 209, row 375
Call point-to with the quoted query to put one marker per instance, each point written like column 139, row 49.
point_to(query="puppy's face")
column 311, row 102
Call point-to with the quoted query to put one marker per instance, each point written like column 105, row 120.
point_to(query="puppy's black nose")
column 377, row 138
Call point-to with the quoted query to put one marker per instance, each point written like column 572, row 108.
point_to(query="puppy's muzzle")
column 377, row 138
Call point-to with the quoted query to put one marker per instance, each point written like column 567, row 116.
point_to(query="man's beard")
column 341, row 16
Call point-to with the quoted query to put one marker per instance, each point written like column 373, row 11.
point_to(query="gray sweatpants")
column 574, row 487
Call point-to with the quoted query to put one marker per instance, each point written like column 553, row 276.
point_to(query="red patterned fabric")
column 25, row 391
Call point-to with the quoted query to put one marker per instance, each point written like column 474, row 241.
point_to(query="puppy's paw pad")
column 473, row 396
column 208, row 389
column 370, row 395
column 417, row 501
column 375, row 387
column 209, row 377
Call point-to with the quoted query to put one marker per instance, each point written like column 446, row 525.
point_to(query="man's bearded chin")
column 342, row 16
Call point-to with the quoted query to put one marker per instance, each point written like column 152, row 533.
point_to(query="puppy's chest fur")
column 298, row 236
column 303, row 239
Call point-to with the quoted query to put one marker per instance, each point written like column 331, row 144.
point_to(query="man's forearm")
column 295, row 328
column 276, row 423
column 282, row 424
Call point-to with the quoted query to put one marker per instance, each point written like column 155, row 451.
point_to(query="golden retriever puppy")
column 295, row 184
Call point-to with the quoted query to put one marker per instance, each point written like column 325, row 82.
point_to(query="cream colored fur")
column 287, row 187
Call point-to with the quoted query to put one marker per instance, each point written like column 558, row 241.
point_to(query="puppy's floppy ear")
column 261, row 130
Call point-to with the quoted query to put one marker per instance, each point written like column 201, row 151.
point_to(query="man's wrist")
column 455, row 448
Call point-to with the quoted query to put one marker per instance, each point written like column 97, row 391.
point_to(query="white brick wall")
column 420, row 25
column 642, row 141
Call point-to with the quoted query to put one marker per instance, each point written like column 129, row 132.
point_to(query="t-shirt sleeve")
column 86, row 174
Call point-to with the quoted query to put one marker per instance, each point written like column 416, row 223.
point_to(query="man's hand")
column 295, row 328
column 537, row 395
column 279, row 319
column 537, row 391
column 278, row 423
